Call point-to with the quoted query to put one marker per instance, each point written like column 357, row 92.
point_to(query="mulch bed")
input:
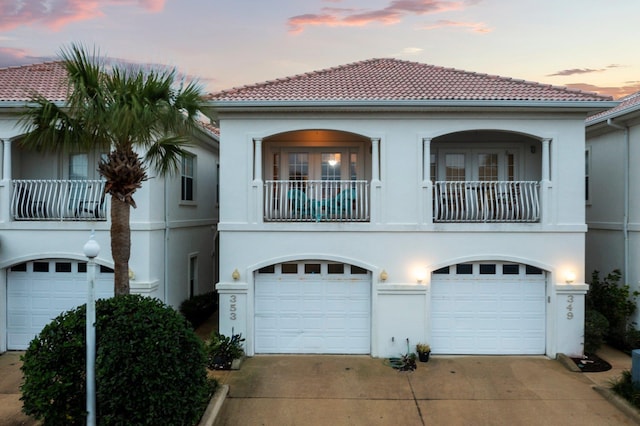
column 591, row 363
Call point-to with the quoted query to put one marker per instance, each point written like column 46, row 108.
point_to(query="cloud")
column 575, row 71
column 10, row 57
column 411, row 51
column 392, row 14
column 617, row 92
column 56, row 14
column 476, row 27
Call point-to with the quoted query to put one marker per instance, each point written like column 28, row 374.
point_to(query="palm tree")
column 125, row 111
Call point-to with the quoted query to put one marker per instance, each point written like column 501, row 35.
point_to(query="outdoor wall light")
column 383, row 275
column 235, row 275
column 420, row 274
column 569, row 277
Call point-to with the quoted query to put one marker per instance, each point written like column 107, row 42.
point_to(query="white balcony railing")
column 58, row 200
column 483, row 201
column 316, row 201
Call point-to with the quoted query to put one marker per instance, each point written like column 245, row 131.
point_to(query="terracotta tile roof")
column 629, row 103
column 48, row 79
column 393, row 79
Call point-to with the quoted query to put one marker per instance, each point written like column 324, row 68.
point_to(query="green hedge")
column 199, row 308
column 150, row 367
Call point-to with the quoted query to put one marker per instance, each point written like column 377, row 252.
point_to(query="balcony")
column 58, row 200
column 316, row 201
column 486, row 201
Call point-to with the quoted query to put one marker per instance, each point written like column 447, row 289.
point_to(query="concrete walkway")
column 359, row 390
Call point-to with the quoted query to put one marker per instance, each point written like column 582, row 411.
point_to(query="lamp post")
column 91, row 250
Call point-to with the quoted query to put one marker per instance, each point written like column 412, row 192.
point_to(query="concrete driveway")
column 359, row 390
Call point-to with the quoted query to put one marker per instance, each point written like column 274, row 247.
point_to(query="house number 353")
column 569, row 307
column 232, row 307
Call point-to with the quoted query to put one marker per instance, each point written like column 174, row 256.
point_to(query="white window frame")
column 192, row 274
column 185, row 175
column 587, row 175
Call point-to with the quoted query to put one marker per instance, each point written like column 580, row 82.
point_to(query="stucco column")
column 427, row 185
column 258, row 193
column 546, row 160
column 257, row 159
column 545, row 183
column 376, row 184
column 375, row 159
column 6, row 159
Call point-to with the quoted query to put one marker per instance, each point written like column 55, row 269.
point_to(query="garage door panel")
column 323, row 314
column 35, row 298
column 488, row 314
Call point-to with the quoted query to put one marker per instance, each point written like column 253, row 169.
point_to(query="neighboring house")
column 369, row 207
column 613, row 185
column 50, row 203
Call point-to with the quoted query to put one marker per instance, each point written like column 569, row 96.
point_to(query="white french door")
column 474, row 165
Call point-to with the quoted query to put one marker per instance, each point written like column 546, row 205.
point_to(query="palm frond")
column 165, row 155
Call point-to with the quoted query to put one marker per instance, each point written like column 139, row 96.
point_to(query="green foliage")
column 150, row 367
column 625, row 388
column 596, row 327
column 198, row 309
column 615, row 301
column 221, row 350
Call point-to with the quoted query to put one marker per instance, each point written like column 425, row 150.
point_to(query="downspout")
column 166, row 241
column 625, row 220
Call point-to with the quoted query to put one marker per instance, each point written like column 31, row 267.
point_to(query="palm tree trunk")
column 120, row 245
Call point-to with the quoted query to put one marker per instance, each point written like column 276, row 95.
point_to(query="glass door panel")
column 298, row 166
column 330, row 166
column 455, row 167
column 488, row 167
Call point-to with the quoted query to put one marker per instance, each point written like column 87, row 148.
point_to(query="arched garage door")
column 313, row 307
column 488, row 308
column 41, row 290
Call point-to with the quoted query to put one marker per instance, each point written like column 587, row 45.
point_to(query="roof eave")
column 26, row 104
column 626, row 113
column 406, row 105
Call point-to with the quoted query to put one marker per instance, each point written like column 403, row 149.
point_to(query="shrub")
column 595, row 328
column 615, row 302
column 198, row 309
column 222, row 350
column 150, row 366
column 625, row 387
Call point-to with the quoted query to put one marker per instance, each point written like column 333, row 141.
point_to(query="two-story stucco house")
column 49, row 204
column 371, row 206
column 613, row 205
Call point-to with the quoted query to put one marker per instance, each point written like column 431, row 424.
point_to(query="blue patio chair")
column 342, row 203
column 302, row 206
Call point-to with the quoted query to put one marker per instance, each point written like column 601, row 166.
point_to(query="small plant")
column 222, row 350
column 625, row 388
column 596, row 327
column 423, row 348
column 408, row 362
column 616, row 302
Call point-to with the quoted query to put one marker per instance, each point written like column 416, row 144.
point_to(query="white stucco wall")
column 401, row 235
column 606, row 215
column 164, row 232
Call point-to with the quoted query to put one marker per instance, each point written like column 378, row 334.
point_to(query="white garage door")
column 313, row 307
column 41, row 290
column 488, row 308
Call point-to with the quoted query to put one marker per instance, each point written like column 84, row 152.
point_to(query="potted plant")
column 424, row 350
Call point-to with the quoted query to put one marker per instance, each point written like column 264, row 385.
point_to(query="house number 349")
column 232, row 307
column 569, row 307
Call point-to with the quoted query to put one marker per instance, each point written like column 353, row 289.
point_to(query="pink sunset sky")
column 584, row 44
